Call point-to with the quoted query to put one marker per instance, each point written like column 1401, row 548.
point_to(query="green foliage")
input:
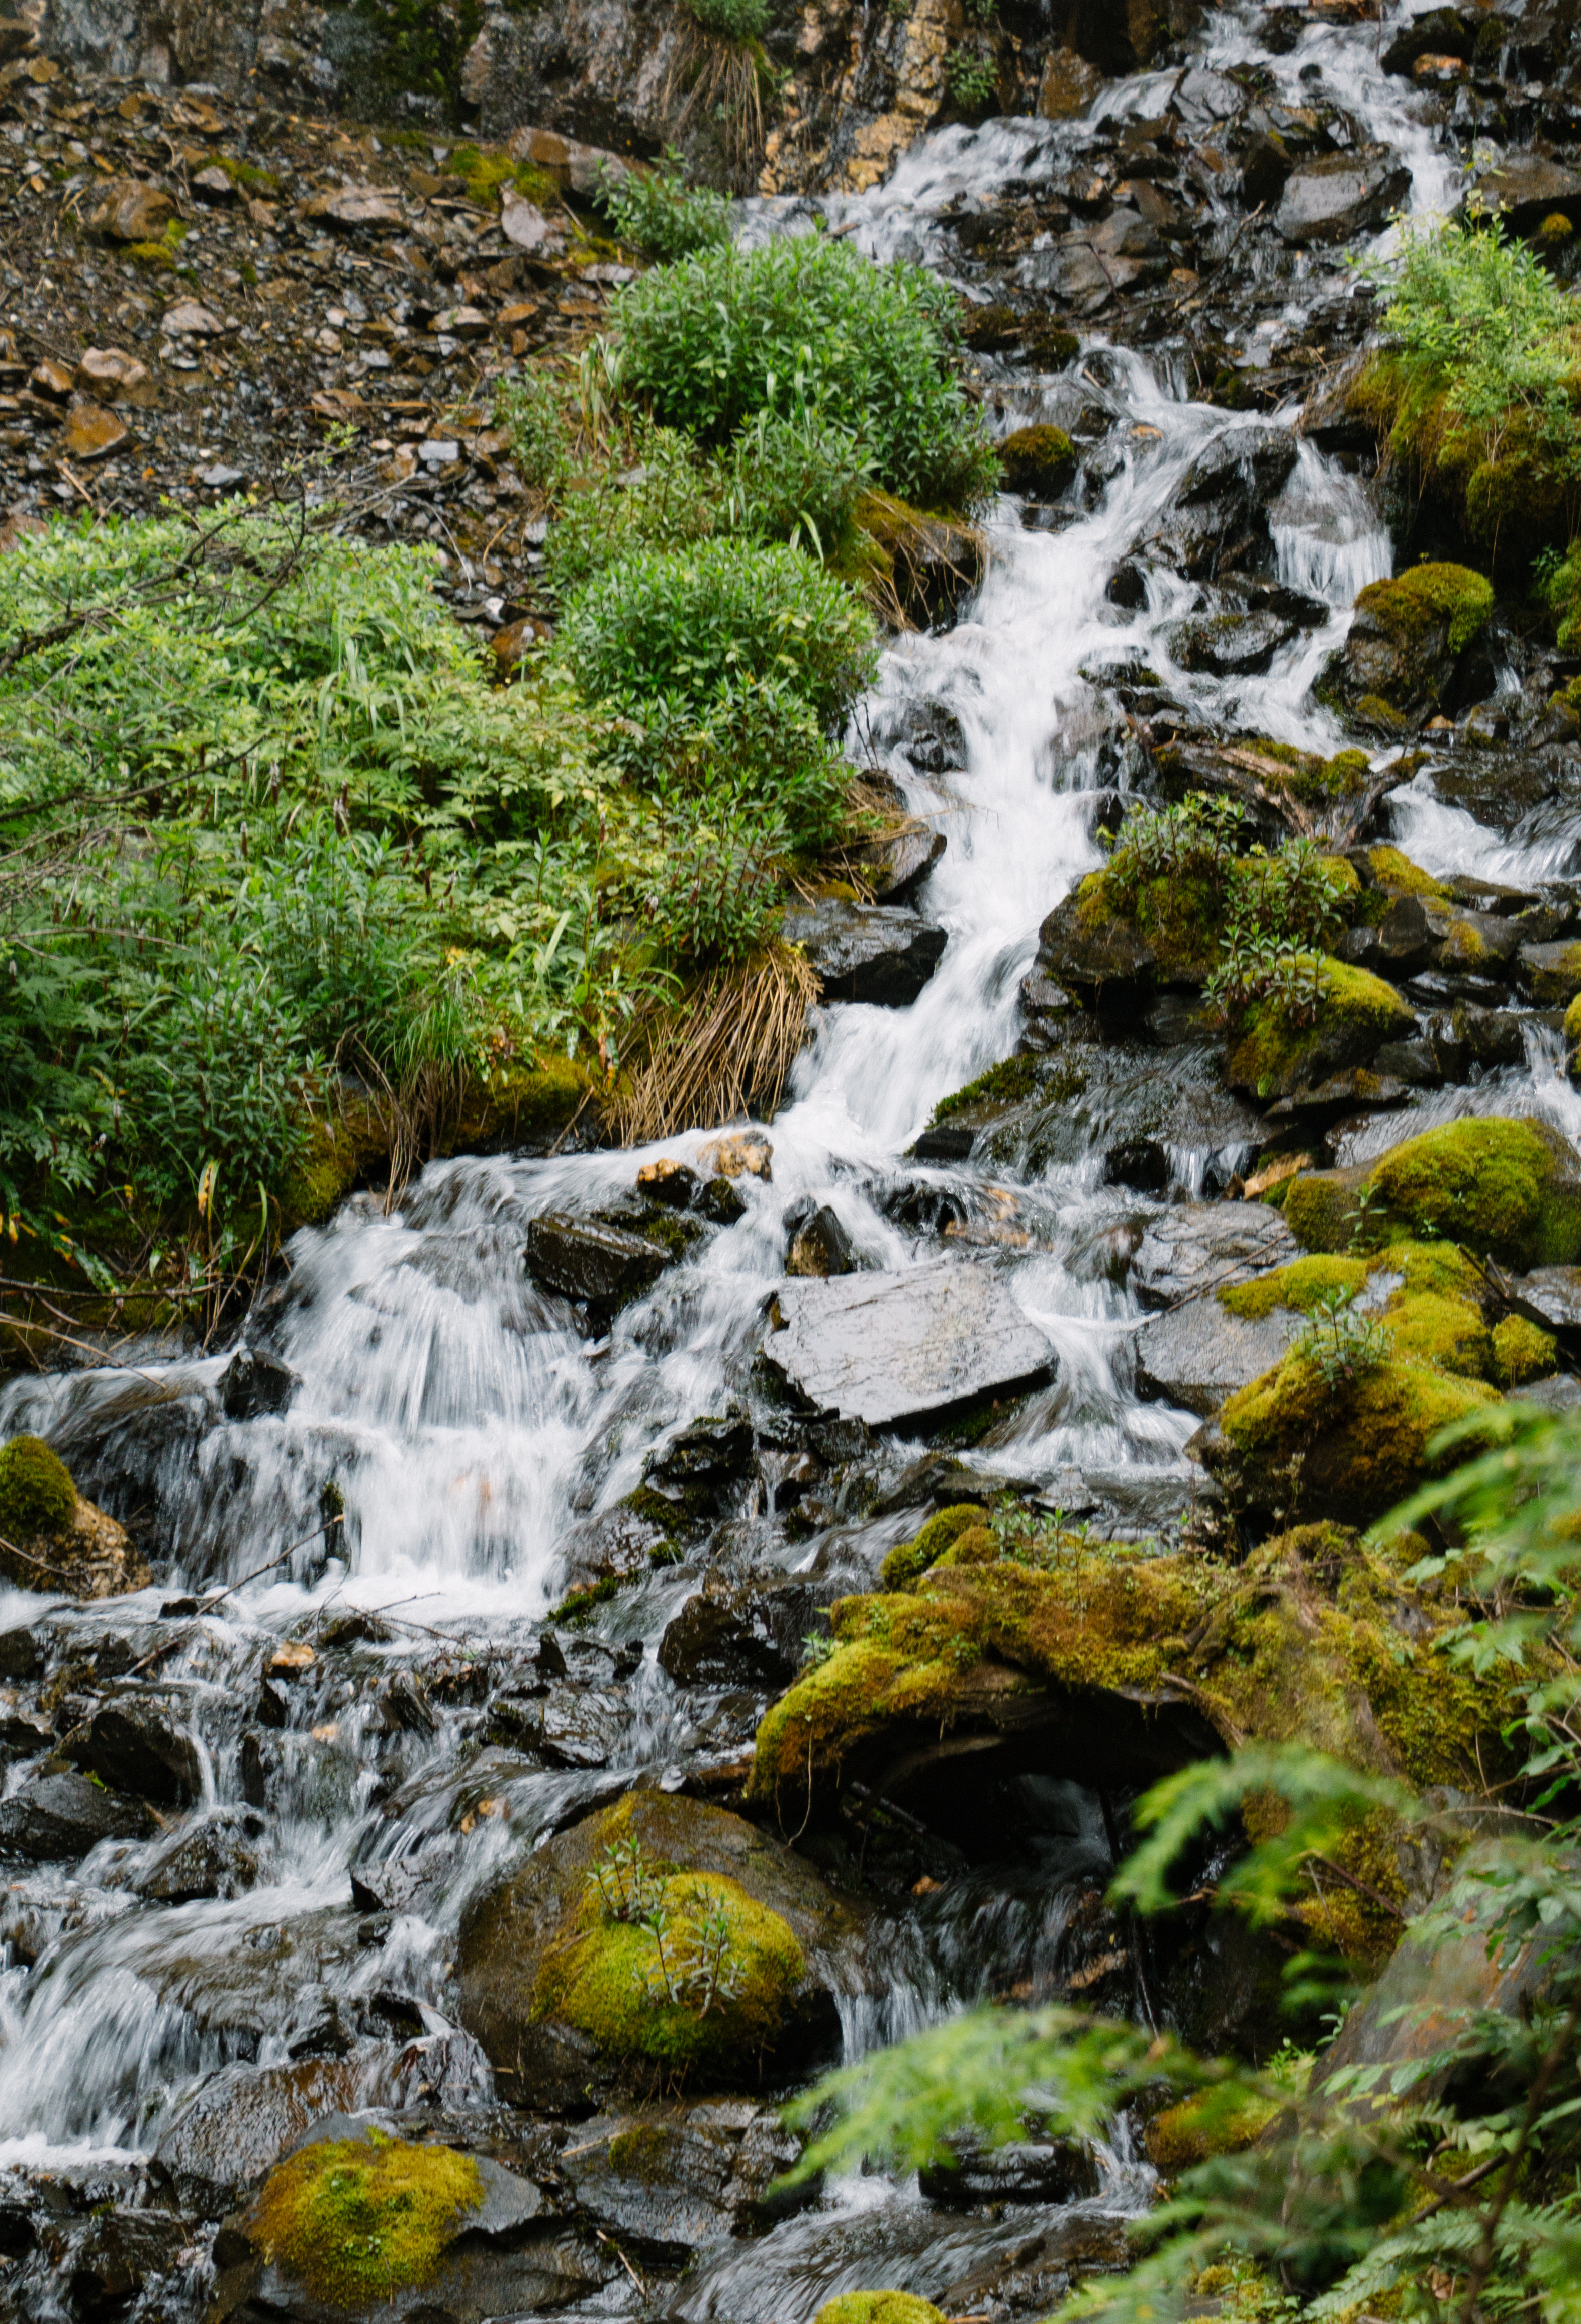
column 533, row 409
column 690, row 621
column 667, row 499
column 736, row 20
column 1341, row 1342
column 790, row 475
column 972, row 76
column 808, row 323
column 655, row 210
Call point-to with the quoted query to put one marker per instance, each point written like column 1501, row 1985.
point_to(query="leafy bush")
column 972, row 76
column 667, row 499
column 795, row 475
column 689, row 619
column 656, row 211
column 730, row 20
column 532, row 408
column 809, row 323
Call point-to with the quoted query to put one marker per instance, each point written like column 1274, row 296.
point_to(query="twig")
column 58, row 1571
column 599, row 2237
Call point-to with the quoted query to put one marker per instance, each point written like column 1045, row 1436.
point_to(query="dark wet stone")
column 674, row 1184
column 254, row 1382
column 599, row 1267
column 1248, row 464
column 1229, row 645
column 875, row 952
column 58, row 1819
column 1438, row 32
column 1528, row 188
column 136, row 1744
column 1341, row 196
column 1095, row 959
column 672, row 2178
column 136, row 1449
column 1264, row 167
column 108, row 2262
column 1550, row 1296
column 1202, row 1246
column 720, row 1203
column 1197, row 1353
column 712, row 1454
column 818, row 1244
column 582, row 1727
column 897, row 867
column 1029, row 2171
column 215, row 1861
column 728, row 1639
column 1402, row 941
column 21, row 1655
column 885, row 1348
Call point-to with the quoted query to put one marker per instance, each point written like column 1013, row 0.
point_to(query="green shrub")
column 532, row 408
column 971, row 76
column 672, row 501
column 655, row 211
column 691, row 618
column 794, row 477
column 738, row 21
column 810, row 322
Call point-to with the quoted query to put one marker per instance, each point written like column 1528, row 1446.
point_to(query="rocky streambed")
column 818, row 1535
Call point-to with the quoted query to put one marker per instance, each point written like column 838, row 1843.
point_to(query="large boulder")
column 878, row 953
column 1198, row 1247
column 51, row 1538
column 1198, row 1353
column 569, row 1993
column 136, row 1742
column 1340, row 196
column 596, row 1265
column 911, row 1347
column 1281, row 1049
column 1508, row 1190
column 58, row 1818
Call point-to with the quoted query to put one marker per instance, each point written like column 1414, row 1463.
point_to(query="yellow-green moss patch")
column 1400, row 876
column 909, row 1559
column 1408, row 606
column 1300, row 1285
column 1039, row 460
column 1273, row 1052
column 1211, row 2122
column 878, row 2308
column 1523, row 1351
column 38, row 1501
column 359, row 2219
column 1511, row 1190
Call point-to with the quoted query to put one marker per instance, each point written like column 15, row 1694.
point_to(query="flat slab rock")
column 1550, row 1296
column 878, row 953
column 1204, row 1246
column 1198, row 1354
column 885, row 1348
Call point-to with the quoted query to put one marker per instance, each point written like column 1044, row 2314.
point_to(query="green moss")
column 1523, row 1351
column 1300, row 1285
column 640, row 2154
column 1399, row 876
column 1012, row 1081
column 359, row 2219
column 1448, row 1332
column 1573, row 1019
column 1507, row 1189
column 878, row 2308
column 578, row 1604
column 1313, row 780
column 910, row 1559
column 1181, row 913
column 1274, row 1054
column 1214, row 2122
column 37, row 1497
column 603, row 1978
column 1040, row 459
column 1409, row 606
column 1350, row 1450
column 248, row 176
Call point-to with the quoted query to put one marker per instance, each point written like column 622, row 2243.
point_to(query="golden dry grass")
column 728, row 1046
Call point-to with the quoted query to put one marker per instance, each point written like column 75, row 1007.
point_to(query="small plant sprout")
column 1341, row 1341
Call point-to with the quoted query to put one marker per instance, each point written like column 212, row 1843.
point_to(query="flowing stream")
column 471, row 1434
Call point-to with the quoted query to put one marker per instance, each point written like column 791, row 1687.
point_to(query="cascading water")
column 466, row 1432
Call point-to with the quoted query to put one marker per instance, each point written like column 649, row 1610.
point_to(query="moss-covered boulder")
column 1283, row 1048
column 357, row 2222
column 1223, row 2121
column 569, row 1992
column 1110, row 1666
column 1508, row 1190
column 51, row 1538
column 1408, row 641
column 1038, row 462
column 1116, row 935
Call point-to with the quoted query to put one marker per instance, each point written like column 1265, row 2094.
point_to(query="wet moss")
column 38, row 1501
column 1523, row 1351
column 1514, row 503
column 1508, row 1190
column 1300, row 1285
column 1181, row 913
column 878, row 2308
column 1212, row 2122
column 1274, row 1053
column 359, row 2219
column 1557, row 984
column 908, row 1560
column 1315, row 781
column 1039, row 460
column 640, row 2154
column 1399, row 876
column 1411, row 605
column 1012, row 1082
column 604, row 1978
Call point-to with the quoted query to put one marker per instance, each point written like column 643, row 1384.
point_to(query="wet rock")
column 1409, row 642
column 1437, row 31
column 599, row 1267
column 1550, row 1297
column 1551, row 972
column 672, row 2179
column 21, row 1655
column 1197, row 1248
column 1526, row 188
column 819, row 1244
column 523, row 1944
column 136, row 1744
column 1197, row 1353
column 135, row 1448
column 897, row 867
column 254, row 1382
column 58, row 1818
column 741, row 1154
column 581, row 1727
column 1028, row 2171
column 670, row 1182
column 215, row 1861
column 1038, row 462
column 1098, row 959
column 51, row 1538
column 874, row 953
column 888, row 1349
column 708, row 1457
column 1341, row 196
column 110, row 2260
column 1229, row 645
column 130, row 210
column 728, row 1638
column 1265, row 166
column 1217, row 520
column 351, row 207
column 243, row 2118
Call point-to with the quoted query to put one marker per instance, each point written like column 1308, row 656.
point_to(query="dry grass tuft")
column 729, row 1046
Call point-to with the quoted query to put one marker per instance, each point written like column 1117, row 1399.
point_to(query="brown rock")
column 188, row 319
column 91, row 431
column 463, row 323
column 511, row 644
column 745, row 1153
column 1068, row 86
column 130, row 211
column 113, row 376
column 93, row 1558
column 574, row 168
column 51, row 379
column 349, row 207
column 19, row 526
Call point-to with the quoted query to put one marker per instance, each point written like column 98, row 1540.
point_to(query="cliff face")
column 854, row 85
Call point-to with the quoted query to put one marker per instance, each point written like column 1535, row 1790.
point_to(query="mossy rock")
column 910, row 1559
column 567, row 2001
column 1223, row 2121
column 878, row 2308
column 1107, row 1664
column 1406, row 638
column 1272, row 1054
column 1523, row 1351
column 1508, row 1190
column 914, row 565
column 1117, row 937
column 1308, row 777
column 356, row 2221
column 38, row 1501
column 1349, row 1451
column 1038, row 462
column 1396, row 875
